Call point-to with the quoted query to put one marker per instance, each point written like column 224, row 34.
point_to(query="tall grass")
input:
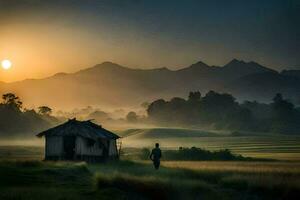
column 125, row 179
column 147, row 186
column 274, row 181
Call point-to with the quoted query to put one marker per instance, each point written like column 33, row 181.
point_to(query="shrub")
column 195, row 153
column 145, row 153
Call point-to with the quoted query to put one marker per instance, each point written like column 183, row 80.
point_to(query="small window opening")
column 90, row 142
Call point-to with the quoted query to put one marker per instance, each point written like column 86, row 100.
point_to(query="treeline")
column 14, row 119
column 195, row 154
column 222, row 111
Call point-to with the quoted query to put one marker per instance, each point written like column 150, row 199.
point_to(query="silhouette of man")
column 155, row 156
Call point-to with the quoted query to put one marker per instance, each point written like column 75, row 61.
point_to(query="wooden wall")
column 83, row 149
column 54, row 146
column 113, row 151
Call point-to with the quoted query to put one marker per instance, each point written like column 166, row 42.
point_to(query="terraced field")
column 268, row 146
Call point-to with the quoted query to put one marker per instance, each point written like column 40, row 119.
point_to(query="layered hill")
column 113, row 85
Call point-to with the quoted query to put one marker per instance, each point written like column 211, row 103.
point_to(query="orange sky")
column 38, row 51
column 42, row 38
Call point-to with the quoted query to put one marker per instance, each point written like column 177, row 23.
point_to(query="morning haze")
column 140, row 99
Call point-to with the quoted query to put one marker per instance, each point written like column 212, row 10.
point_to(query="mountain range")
column 113, row 85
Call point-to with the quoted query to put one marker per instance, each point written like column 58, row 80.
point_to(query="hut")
column 80, row 141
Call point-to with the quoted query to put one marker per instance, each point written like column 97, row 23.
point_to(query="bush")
column 29, row 163
column 145, row 153
column 194, row 153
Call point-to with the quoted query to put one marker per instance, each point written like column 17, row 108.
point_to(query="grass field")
column 281, row 147
column 138, row 180
column 24, row 176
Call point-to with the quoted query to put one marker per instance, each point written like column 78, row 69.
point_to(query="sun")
column 6, row 64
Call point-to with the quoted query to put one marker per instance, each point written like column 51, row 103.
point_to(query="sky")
column 42, row 38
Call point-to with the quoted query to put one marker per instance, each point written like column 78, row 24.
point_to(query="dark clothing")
column 155, row 157
column 156, row 164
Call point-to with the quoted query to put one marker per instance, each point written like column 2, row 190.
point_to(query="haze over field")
column 110, row 85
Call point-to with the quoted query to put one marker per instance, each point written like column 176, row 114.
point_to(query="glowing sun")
column 6, row 64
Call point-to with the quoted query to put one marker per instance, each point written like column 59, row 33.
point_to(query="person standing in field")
column 155, row 156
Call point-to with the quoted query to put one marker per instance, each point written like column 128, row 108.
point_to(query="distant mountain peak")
column 241, row 66
column 235, row 62
column 110, row 84
column 199, row 64
column 108, row 64
column 60, row 74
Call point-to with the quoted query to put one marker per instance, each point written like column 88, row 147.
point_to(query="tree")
column 145, row 105
column 132, row 117
column 12, row 100
column 282, row 109
column 195, row 96
column 216, row 107
column 144, row 154
column 278, row 98
column 285, row 118
column 176, row 103
column 222, row 111
column 14, row 120
column 157, row 110
column 44, row 110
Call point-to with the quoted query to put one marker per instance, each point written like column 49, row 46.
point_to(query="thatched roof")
column 86, row 129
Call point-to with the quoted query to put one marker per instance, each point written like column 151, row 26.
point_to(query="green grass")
column 138, row 180
column 20, row 152
column 24, row 176
column 238, row 180
column 39, row 180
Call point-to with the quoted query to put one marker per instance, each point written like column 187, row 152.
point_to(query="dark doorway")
column 106, row 149
column 69, row 147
